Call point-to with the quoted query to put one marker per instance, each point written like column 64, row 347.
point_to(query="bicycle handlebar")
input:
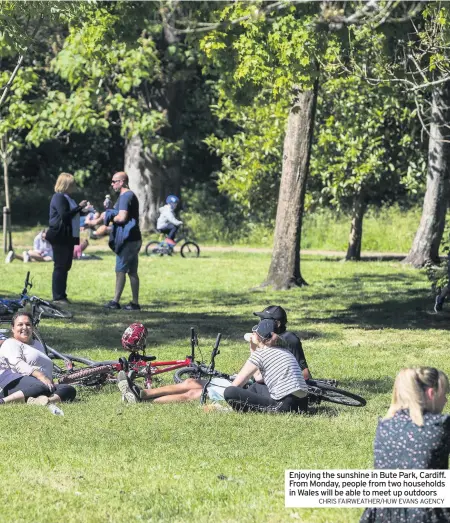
column 216, row 345
column 27, row 284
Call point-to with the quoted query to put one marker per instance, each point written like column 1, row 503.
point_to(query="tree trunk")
column 152, row 180
column 356, row 229
column 145, row 181
column 284, row 271
column 6, row 160
column 429, row 234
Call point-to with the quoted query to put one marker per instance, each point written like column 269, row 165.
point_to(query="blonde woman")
column 63, row 232
column 413, row 435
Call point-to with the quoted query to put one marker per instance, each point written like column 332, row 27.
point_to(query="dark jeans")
column 32, row 388
column 62, row 256
column 170, row 231
column 257, row 399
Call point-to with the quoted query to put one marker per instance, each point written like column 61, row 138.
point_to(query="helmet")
column 172, row 200
column 134, row 337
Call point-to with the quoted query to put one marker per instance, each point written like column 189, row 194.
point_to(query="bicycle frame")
column 140, row 364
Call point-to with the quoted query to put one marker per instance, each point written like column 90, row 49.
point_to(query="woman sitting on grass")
column 284, row 388
column 32, row 367
column 413, row 435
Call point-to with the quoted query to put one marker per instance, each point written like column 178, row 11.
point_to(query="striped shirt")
column 281, row 372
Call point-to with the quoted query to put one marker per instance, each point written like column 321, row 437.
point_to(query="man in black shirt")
column 293, row 344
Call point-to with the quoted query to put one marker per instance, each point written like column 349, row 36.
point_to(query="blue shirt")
column 128, row 202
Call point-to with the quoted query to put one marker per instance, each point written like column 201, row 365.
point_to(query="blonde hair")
column 410, row 391
column 64, row 182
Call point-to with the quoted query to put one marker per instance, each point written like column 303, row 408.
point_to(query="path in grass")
column 105, row 461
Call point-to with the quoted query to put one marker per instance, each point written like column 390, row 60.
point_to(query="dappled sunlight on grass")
column 360, row 323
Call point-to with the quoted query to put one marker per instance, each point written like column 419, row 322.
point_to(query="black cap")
column 265, row 328
column 273, row 312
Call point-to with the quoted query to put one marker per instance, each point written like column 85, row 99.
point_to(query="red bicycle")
column 98, row 373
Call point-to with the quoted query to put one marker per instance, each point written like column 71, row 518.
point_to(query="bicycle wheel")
column 151, row 248
column 194, row 372
column 52, row 311
column 190, row 250
column 89, row 376
column 334, row 395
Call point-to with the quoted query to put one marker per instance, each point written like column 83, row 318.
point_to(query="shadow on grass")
column 380, row 386
column 411, row 310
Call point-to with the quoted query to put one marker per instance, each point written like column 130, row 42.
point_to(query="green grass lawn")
column 107, row 461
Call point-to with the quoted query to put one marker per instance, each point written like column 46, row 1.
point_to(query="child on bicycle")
column 167, row 223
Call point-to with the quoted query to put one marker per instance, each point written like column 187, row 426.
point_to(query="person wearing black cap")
column 290, row 340
column 284, row 388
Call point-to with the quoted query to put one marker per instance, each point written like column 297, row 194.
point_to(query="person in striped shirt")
column 284, row 388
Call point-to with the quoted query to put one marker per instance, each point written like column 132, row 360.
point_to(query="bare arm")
column 244, row 374
column 122, row 217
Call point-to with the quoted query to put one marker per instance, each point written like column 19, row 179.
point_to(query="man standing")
column 293, row 344
column 125, row 240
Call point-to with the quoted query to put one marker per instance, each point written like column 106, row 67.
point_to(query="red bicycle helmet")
column 134, row 337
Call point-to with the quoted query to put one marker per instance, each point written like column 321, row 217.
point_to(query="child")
column 167, row 223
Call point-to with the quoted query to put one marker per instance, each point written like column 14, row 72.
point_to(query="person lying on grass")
column 284, row 389
column 32, row 369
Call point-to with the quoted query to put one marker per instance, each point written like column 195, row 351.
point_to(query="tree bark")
column 145, row 181
column 284, row 271
column 356, row 229
column 150, row 179
column 428, row 237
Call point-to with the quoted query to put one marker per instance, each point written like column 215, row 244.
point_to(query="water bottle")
column 55, row 410
column 107, row 204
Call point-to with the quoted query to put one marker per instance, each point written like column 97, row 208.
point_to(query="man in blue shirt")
column 125, row 240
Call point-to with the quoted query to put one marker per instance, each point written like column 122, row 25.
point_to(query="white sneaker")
column 26, row 257
column 128, row 396
column 9, row 257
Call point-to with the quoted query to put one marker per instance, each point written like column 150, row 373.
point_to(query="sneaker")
column 26, row 257
column 170, row 242
column 130, row 392
column 40, row 400
column 438, row 303
column 62, row 301
column 112, row 305
column 9, row 257
column 132, row 307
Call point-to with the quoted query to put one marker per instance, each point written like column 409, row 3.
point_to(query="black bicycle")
column 320, row 390
column 187, row 248
column 39, row 307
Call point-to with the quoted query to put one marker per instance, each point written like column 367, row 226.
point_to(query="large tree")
column 275, row 51
column 417, row 58
column 127, row 67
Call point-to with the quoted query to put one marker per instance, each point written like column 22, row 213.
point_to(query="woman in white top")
column 27, row 358
column 284, row 388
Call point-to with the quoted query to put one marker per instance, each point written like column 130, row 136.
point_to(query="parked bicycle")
column 186, row 247
column 82, row 371
column 39, row 307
